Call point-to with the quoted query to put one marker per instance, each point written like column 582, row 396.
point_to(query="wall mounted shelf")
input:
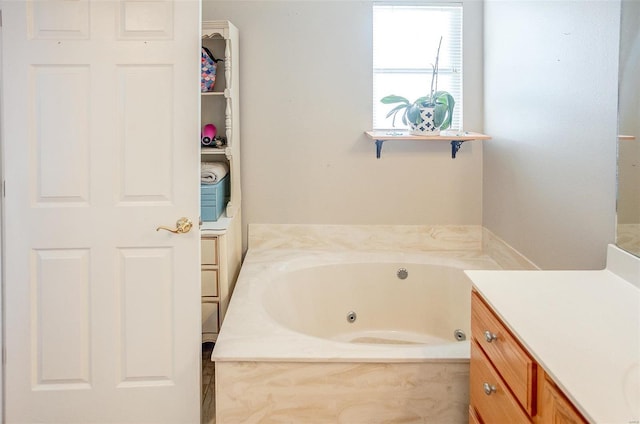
column 454, row 137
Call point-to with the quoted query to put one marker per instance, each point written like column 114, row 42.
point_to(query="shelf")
column 213, row 93
column 454, row 137
column 213, row 150
column 626, row 137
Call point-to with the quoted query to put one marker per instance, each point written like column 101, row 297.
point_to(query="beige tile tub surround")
column 505, row 255
column 397, row 238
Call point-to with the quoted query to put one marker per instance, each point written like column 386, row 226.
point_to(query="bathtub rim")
column 240, row 340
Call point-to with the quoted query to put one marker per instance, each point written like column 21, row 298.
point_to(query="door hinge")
column 0, row 18
column 4, row 188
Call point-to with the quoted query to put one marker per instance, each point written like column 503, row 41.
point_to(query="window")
column 405, row 43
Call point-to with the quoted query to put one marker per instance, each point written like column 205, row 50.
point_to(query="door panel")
column 58, row 19
column 101, row 116
column 60, row 300
column 145, row 278
column 146, row 139
column 60, row 123
column 145, row 20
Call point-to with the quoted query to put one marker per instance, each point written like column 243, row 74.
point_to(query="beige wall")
column 550, row 101
column 306, row 87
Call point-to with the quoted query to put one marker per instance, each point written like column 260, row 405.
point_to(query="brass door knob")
column 183, row 225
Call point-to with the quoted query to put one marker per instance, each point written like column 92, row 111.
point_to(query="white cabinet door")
column 101, row 116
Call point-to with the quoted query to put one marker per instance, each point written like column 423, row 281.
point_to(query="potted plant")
column 428, row 114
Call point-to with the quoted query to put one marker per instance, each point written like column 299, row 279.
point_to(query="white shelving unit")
column 222, row 239
column 221, row 106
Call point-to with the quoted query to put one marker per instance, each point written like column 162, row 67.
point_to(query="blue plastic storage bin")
column 213, row 199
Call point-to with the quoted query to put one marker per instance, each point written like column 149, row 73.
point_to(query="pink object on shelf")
column 208, row 135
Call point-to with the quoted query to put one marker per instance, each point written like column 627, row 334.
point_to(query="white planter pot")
column 426, row 126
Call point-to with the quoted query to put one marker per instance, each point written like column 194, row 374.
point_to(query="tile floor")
column 208, row 386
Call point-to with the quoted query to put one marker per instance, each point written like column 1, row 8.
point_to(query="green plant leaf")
column 401, row 107
column 413, row 113
column 439, row 115
column 439, row 94
column 395, row 110
column 443, row 113
column 394, row 99
column 423, row 101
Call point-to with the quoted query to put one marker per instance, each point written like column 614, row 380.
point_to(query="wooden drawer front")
column 210, row 319
column 473, row 417
column 209, row 251
column 499, row 406
column 209, row 279
column 510, row 360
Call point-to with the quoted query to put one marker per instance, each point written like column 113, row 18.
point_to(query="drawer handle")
column 489, row 336
column 488, row 389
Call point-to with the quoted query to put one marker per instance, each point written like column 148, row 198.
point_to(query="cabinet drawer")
column 210, row 318
column 209, row 251
column 209, row 278
column 505, row 353
column 499, row 406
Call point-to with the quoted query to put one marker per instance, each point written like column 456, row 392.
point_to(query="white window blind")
column 405, row 43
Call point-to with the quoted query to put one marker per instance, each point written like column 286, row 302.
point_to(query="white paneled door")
column 100, row 116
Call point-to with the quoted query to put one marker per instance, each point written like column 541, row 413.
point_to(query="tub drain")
column 459, row 335
column 351, row 317
column 402, row 273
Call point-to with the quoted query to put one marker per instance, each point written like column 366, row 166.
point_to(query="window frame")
column 453, row 70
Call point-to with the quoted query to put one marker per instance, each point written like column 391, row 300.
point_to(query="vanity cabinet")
column 506, row 383
column 221, row 240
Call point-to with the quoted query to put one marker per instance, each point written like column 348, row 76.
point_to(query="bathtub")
column 347, row 337
column 405, row 305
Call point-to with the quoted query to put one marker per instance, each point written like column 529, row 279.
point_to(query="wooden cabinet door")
column 554, row 407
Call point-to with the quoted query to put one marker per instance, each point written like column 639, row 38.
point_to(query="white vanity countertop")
column 216, row 227
column 582, row 327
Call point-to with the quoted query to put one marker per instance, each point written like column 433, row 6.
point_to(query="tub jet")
column 402, row 273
